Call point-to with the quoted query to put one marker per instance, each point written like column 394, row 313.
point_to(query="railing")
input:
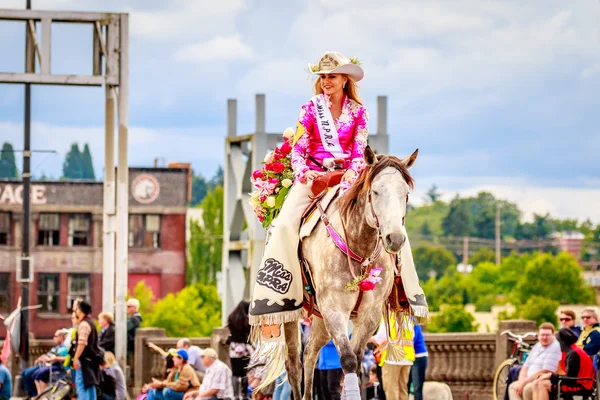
column 465, row 361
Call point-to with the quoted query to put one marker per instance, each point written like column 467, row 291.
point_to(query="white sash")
column 329, row 134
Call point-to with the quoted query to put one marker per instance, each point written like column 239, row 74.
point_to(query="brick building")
column 66, row 240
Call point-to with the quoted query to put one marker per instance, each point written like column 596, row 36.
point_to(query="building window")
column 79, row 230
column 5, row 228
column 79, row 287
column 48, row 292
column 144, row 231
column 49, row 230
column 5, row 292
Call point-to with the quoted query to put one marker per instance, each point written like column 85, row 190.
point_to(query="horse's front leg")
column 337, row 324
column 293, row 364
column 363, row 330
column 316, row 340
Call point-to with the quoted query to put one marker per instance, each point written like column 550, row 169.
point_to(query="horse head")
column 383, row 188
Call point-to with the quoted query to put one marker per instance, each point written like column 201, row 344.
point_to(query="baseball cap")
column 208, row 352
column 181, row 353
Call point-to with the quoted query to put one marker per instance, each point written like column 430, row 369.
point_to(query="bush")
column 540, row 310
column 192, row 312
column 452, row 319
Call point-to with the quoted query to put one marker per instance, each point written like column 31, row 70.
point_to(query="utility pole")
column 465, row 259
column 26, row 220
column 497, row 234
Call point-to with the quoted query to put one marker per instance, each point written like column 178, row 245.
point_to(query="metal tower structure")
column 243, row 235
column 110, row 68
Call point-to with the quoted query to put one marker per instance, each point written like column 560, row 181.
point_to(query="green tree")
column 199, row 189
column 87, row 164
column 540, row 228
column 218, row 179
column 433, row 194
column 8, row 166
column 539, row 309
column 206, row 240
column 145, row 296
column 453, row 318
column 193, row 312
column 555, row 277
column 451, row 288
column 426, row 220
column 432, row 261
column 73, row 164
column 484, row 254
column 458, row 222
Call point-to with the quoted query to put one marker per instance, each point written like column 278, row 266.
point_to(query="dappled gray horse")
column 372, row 212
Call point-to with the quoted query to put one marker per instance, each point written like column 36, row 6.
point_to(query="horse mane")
column 349, row 201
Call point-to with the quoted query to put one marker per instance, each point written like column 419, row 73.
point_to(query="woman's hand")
column 309, row 176
column 348, row 175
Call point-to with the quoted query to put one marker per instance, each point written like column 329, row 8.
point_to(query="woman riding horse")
column 332, row 131
column 332, row 125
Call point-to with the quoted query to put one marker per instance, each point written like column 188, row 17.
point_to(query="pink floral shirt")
column 352, row 128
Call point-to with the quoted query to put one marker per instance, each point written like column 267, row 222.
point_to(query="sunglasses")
column 586, row 316
column 566, row 319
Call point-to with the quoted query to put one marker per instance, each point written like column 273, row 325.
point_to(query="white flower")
column 286, row 183
column 289, row 133
column 269, row 158
column 270, row 201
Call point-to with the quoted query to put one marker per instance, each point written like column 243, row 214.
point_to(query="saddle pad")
column 314, row 218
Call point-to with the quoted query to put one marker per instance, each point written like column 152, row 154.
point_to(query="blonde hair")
column 350, row 90
column 107, row 316
column 109, row 359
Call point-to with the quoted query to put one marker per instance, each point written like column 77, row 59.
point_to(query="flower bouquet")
column 273, row 181
column 366, row 281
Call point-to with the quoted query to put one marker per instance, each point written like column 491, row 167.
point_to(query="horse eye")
column 375, row 192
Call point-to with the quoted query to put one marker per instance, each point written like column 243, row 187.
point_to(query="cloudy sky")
column 497, row 95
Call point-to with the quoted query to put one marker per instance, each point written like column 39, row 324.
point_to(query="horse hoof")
column 351, row 390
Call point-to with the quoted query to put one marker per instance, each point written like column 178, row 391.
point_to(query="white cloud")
column 591, row 71
column 220, row 48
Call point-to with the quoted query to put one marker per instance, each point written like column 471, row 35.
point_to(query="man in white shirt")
column 543, row 358
column 195, row 356
column 217, row 383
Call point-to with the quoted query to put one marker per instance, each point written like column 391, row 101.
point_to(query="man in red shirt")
column 575, row 362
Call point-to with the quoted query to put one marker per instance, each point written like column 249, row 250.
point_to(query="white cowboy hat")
column 333, row 62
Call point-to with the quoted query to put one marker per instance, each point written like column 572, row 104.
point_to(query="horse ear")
column 370, row 156
column 410, row 160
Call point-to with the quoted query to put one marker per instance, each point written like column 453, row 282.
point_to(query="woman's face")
column 332, row 83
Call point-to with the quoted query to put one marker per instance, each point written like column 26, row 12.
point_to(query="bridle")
column 374, row 215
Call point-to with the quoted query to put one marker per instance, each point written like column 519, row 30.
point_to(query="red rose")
column 258, row 174
column 275, row 167
column 366, row 285
column 285, row 148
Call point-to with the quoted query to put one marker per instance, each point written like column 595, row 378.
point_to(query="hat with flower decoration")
column 333, row 62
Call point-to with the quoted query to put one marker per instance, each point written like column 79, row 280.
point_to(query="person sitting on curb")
column 181, row 380
column 217, row 383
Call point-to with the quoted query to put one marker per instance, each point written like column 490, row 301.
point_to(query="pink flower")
column 275, row 167
column 365, row 285
column 273, row 181
column 285, row 148
column 258, row 174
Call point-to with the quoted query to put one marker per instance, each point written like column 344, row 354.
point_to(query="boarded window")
column 79, row 287
column 79, row 230
column 49, row 230
column 48, row 292
column 5, row 222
